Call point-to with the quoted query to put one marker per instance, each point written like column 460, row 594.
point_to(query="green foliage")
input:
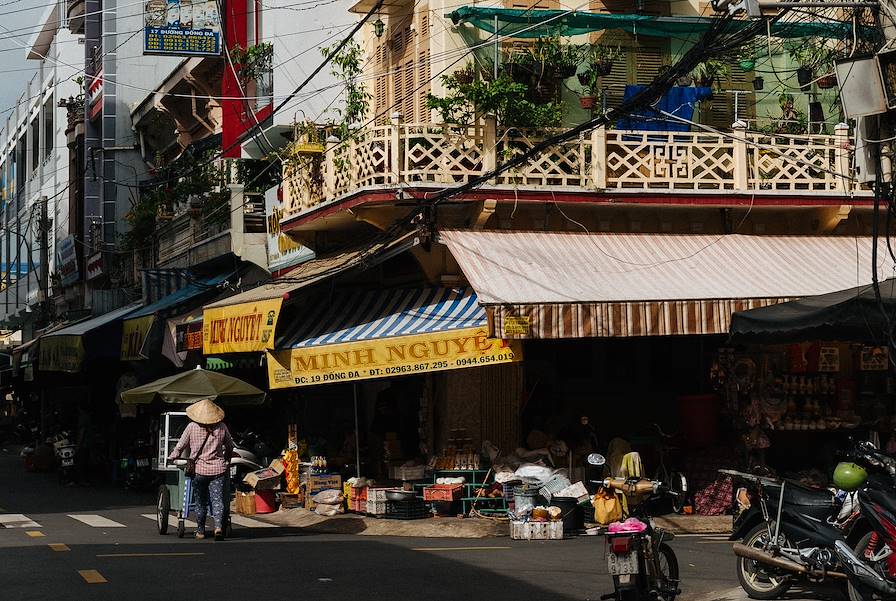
column 507, row 100
column 598, row 54
column 254, row 61
column 190, row 178
column 812, row 54
column 711, row 71
column 259, row 175
column 347, row 66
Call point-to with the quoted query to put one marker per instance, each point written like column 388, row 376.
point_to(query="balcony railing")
column 603, row 160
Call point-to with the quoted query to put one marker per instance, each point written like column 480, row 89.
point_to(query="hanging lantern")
column 379, row 27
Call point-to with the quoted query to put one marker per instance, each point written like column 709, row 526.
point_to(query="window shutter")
column 423, row 76
column 718, row 111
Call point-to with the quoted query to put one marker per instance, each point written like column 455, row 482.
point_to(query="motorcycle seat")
column 816, row 502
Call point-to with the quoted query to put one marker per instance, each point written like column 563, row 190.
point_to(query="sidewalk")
column 456, row 527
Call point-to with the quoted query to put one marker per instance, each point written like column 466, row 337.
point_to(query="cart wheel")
column 163, row 510
column 180, row 528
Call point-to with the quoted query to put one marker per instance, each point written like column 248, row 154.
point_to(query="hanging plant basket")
column 464, row 77
column 517, row 72
column 685, row 80
column 758, row 83
column 747, row 64
column 602, row 68
column 804, row 78
column 587, row 102
column 827, row 82
column 584, row 78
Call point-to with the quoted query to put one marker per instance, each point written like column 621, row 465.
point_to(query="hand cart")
column 176, row 489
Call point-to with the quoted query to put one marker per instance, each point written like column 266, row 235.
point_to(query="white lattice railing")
column 439, row 154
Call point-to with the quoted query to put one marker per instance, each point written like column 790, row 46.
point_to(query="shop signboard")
column 517, row 325
column 188, row 336
column 182, row 28
column 67, row 261
column 60, row 353
column 387, row 357
column 283, row 251
column 94, row 266
column 133, row 336
column 243, row 328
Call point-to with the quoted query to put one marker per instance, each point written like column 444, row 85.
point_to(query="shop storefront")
column 804, row 377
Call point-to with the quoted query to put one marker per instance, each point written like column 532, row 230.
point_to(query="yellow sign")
column 244, row 328
column 60, row 353
column 133, row 337
column 516, row 325
column 402, row 355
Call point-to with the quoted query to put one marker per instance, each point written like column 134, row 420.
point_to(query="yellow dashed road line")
column 34, row 533
column 59, row 547
column 92, row 577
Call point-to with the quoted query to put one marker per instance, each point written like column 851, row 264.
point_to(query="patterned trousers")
column 209, row 488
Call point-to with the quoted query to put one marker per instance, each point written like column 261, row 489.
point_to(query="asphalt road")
column 109, row 550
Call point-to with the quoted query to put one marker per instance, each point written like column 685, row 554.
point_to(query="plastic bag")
column 607, row 508
column 328, row 497
column 327, row 509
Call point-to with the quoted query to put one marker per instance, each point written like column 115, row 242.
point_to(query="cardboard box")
column 315, row 484
column 245, row 503
column 267, row 478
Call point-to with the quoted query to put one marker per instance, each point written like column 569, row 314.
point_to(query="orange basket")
column 442, row 492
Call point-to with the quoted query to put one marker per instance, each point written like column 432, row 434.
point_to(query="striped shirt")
column 213, row 457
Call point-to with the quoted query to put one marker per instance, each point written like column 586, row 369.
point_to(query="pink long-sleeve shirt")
column 214, row 457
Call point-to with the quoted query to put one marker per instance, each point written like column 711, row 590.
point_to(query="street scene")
column 438, row 300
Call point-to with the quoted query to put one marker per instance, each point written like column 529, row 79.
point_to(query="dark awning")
column 852, row 315
column 533, row 23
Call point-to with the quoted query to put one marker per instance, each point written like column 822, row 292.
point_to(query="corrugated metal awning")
column 577, row 285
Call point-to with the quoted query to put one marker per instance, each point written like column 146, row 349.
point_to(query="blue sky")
column 12, row 55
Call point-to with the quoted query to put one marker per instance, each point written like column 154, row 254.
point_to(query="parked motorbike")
column 804, row 535
column 136, row 466
column 247, row 457
column 65, row 452
column 642, row 565
column 871, row 562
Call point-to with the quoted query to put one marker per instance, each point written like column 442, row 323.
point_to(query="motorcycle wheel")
column 757, row 581
column 861, row 593
column 667, row 579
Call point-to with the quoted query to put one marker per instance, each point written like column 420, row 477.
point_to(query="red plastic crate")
column 442, row 492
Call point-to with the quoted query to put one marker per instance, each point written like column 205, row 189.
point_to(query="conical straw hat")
column 205, row 412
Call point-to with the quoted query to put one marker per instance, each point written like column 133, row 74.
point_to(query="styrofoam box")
column 376, row 507
column 376, row 494
column 536, row 530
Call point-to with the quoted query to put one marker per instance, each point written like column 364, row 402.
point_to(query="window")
column 49, row 127
column 21, row 161
column 35, row 143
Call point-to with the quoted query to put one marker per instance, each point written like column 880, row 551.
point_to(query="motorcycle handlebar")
column 634, row 486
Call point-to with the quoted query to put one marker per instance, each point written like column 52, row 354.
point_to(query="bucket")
column 573, row 520
column 698, row 420
column 524, row 496
column 265, row 501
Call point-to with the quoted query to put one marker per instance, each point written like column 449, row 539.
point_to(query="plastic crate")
column 377, row 508
column 553, row 486
column 536, row 530
column 442, row 492
column 406, row 510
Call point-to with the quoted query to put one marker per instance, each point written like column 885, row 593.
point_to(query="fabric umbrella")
column 194, row 385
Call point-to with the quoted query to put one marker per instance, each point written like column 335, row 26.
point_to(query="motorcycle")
column 248, row 456
column 136, row 466
column 799, row 538
column 871, row 562
column 642, row 565
column 65, row 452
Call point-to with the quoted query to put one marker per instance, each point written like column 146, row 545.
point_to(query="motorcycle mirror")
column 596, row 459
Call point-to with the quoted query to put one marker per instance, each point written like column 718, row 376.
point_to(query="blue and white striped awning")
column 373, row 315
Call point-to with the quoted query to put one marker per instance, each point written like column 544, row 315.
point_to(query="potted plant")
column 810, row 56
column 592, row 93
column 601, row 58
column 746, row 58
column 708, row 73
column 758, row 83
column 465, row 75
